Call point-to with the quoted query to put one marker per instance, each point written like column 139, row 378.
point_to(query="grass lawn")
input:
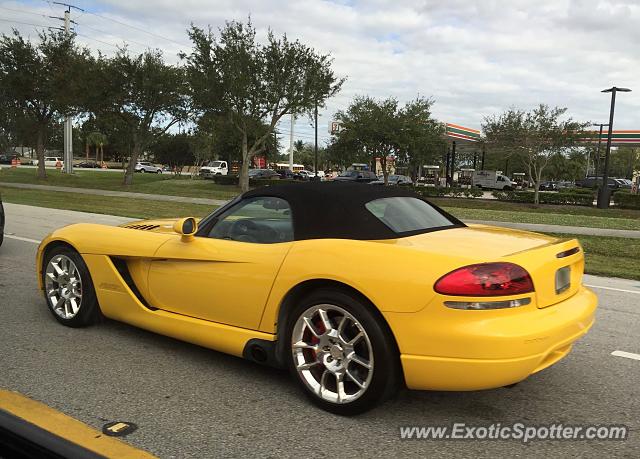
column 166, row 184
column 610, row 256
column 134, row 208
column 565, row 219
column 500, row 211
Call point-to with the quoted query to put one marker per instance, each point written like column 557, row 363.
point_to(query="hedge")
column 430, row 192
column 234, row 180
column 627, row 200
column 575, row 199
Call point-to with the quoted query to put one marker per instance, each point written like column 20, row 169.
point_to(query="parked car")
column 303, row 175
column 88, row 165
column 286, row 174
column 6, row 159
column 50, row 161
column 146, row 166
column 214, row 168
column 394, row 180
column 356, row 176
column 1, row 221
column 593, row 182
column 267, row 174
column 624, row 183
column 302, row 281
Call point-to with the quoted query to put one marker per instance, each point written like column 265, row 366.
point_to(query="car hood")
column 156, row 226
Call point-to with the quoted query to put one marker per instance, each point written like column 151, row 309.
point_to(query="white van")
column 492, row 180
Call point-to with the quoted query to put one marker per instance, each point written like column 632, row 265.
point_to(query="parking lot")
column 189, row 401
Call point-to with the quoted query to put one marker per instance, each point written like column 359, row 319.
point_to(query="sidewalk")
column 584, row 230
column 121, row 194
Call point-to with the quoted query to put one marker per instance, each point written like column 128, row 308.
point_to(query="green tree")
column 41, row 83
column 255, row 84
column 146, row 95
column 374, row 128
column 537, row 135
column 175, row 150
column 422, row 139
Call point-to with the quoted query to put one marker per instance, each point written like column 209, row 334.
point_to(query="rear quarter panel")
column 396, row 278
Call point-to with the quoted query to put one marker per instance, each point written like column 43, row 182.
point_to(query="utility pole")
column 293, row 120
column 68, row 127
column 604, row 195
column 315, row 146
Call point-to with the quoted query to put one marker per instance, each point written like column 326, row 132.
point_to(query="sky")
column 474, row 58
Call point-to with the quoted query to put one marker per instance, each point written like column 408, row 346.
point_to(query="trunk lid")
column 556, row 265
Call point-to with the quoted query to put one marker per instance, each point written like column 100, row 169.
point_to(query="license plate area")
column 563, row 279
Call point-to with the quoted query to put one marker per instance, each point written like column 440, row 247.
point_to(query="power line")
column 95, row 39
column 24, row 23
column 126, row 40
column 135, row 28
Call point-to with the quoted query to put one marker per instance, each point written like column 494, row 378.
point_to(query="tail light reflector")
column 486, row 279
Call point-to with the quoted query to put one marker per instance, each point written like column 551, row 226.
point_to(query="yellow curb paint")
column 66, row 427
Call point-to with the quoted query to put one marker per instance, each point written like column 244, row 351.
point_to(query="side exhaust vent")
column 123, row 270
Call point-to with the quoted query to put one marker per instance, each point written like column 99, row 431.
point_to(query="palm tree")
column 97, row 140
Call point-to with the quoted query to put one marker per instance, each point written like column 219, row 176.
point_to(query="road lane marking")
column 626, row 355
column 23, row 239
column 637, row 292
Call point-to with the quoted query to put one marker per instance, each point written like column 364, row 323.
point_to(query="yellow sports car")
column 356, row 289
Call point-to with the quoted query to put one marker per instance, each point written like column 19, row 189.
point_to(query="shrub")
column 627, row 200
column 429, row 192
column 226, row 179
column 575, row 199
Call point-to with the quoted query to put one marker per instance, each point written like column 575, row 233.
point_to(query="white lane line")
column 626, row 355
column 23, row 239
column 637, row 292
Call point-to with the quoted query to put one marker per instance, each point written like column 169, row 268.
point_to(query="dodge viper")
column 357, row 290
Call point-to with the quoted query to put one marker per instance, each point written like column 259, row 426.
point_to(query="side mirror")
column 187, row 227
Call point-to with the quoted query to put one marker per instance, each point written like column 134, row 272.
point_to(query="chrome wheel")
column 63, row 286
column 332, row 353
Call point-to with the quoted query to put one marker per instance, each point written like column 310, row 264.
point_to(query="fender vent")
column 123, row 270
column 142, row 227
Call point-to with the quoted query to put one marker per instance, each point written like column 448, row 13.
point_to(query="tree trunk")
column 244, row 169
column 101, row 154
column 135, row 154
column 42, row 173
column 86, row 149
column 385, row 172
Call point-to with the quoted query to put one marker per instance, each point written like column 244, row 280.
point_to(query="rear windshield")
column 407, row 214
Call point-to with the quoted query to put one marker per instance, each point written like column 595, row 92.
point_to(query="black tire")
column 387, row 373
column 159, row 171
column 142, row 171
column 89, row 309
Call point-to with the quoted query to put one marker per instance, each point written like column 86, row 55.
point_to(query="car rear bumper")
column 494, row 353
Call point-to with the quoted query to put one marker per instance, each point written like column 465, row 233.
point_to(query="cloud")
column 474, row 57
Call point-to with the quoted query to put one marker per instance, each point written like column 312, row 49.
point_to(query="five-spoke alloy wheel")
column 341, row 352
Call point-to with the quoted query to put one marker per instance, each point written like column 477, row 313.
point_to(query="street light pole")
column 315, row 145
column 604, row 192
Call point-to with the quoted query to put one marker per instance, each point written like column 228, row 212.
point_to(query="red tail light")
column 486, row 279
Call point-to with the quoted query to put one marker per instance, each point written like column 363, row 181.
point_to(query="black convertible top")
column 336, row 210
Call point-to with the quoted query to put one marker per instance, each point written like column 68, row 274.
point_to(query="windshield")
column 215, row 163
column 407, row 214
column 349, row 174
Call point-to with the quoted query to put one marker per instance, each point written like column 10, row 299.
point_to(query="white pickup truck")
column 214, row 168
column 492, row 180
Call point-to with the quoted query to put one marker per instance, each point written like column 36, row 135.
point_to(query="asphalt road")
column 192, row 402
